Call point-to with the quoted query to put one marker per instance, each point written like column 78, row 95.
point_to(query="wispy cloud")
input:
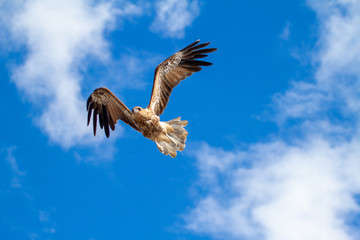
column 60, row 37
column 285, row 35
column 12, row 161
column 44, row 217
column 174, row 16
column 302, row 188
column 128, row 9
column 131, row 67
column 17, row 174
column 22, row 193
column 33, row 236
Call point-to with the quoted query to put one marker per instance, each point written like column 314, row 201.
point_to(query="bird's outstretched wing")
column 175, row 69
column 109, row 108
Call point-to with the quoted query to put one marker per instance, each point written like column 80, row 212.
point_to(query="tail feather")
column 174, row 139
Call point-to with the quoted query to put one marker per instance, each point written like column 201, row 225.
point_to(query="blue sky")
column 273, row 146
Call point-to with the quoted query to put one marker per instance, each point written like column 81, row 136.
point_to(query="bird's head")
column 137, row 109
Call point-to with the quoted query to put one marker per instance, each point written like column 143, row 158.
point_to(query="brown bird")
column 169, row 136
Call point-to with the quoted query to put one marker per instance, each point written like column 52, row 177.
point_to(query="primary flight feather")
column 169, row 136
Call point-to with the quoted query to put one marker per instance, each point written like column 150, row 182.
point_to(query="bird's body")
column 169, row 136
column 148, row 123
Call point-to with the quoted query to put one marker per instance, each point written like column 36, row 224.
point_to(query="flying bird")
column 169, row 136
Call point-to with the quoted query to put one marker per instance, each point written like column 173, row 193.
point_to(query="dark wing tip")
column 88, row 102
column 191, row 45
column 96, row 111
column 201, row 51
column 202, row 45
column 209, row 50
column 201, row 63
column 90, row 108
column 106, row 120
column 104, row 108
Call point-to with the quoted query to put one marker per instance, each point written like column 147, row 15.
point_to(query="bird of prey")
column 169, row 136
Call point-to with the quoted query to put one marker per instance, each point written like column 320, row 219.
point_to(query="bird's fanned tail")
column 175, row 138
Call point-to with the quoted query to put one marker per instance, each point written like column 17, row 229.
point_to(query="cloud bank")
column 306, row 187
column 58, row 35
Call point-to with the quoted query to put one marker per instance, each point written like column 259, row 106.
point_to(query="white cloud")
column 173, row 16
column 278, row 191
column 59, row 37
column 337, row 58
column 303, row 188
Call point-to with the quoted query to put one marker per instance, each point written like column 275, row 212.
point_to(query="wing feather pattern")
column 175, row 69
column 109, row 109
